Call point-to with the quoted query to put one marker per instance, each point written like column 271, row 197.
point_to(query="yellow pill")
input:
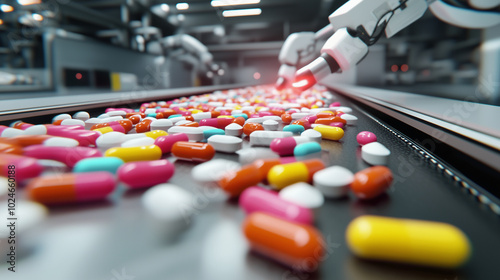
column 283, row 175
column 196, row 111
column 408, row 241
column 225, row 117
column 156, row 133
column 104, row 130
column 326, row 112
column 314, row 106
column 237, row 107
column 330, row 132
column 151, row 152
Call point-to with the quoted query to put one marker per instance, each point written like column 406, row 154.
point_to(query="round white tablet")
column 303, row 194
column 375, row 153
column 161, row 124
column 350, row 119
column 110, row 140
column 61, row 117
column 312, row 134
column 249, row 155
column 169, row 203
column 29, row 215
column 333, row 181
column 225, row 143
column 234, row 129
column 270, row 125
column 82, row 115
column 213, row 170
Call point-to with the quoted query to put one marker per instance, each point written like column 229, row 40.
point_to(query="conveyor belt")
column 110, row 239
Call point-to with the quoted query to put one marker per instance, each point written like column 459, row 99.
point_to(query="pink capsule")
column 335, row 104
column 284, row 146
column 337, row 124
column 257, row 199
column 311, row 118
column 166, row 142
column 19, row 167
column 142, row 174
column 84, row 137
column 265, row 113
column 67, row 155
column 216, row 122
column 126, row 110
column 365, row 137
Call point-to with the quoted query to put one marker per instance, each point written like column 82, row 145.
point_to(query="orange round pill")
column 371, row 182
column 135, row 119
column 248, row 128
column 298, row 246
column 286, row 118
column 236, row 181
column 239, row 120
column 192, row 151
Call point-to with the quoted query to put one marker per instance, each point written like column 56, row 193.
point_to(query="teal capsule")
column 211, row 132
column 110, row 164
column 153, row 115
column 175, row 116
column 294, row 128
column 241, row 115
column 306, row 149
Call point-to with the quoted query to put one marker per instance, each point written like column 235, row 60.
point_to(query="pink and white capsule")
column 67, row 155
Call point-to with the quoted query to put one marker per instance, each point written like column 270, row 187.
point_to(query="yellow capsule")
column 408, row 241
column 237, row 107
column 225, row 117
column 327, row 112
column 283, row 175
column 314, row 106
column 330, row 132
column 156, row 133
column 196, row 111
column 151, row 152
column 104, row 130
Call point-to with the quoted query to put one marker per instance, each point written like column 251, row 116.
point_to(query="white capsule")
column 270, row 125
column 200, row 116
column 225, row 143
column 169, row 203
column 60, row 142
column 273, row 118
column 112, row 119
column 36, row 130
column 213, row 170
column 110, row 140
column 255, row 120
column 82, row 115
column 91, row 122
column 73, row 122
column 103, row 116
column 137, row 142
column 303, row 194
column 161, row 124
column 312, row 134
column 350, row 119
column 298, row 116
column 375, row 153
column 193, row 133
column 177, row 119
column 249, row 155
column 12, row 132
column 61, row 117
column 264, row 138
column 234, row 129
column 150, row 111
column 344, row 109
column 333, row 181
column 117, row 113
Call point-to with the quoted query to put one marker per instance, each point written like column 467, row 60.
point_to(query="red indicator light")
column 394, row 68
column 78, row 76
column 256, row 75
column 404, row 67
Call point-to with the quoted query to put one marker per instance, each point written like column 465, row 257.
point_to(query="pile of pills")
column 279, row 179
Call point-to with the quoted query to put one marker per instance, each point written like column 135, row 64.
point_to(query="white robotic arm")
column 358, row 24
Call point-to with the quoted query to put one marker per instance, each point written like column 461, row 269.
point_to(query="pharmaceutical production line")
column 249, row 139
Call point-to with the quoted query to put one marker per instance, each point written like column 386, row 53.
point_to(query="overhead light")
column 165, row 8
column 242, row 12
column 182, row 6
column 29, row 2
column 6, row 8
column 37, row 17
column 224, row 3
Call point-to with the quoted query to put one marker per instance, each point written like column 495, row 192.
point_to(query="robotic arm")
column 359, row 24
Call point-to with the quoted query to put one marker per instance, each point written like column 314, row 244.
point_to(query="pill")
column 234, row 129
column 116, row 113
column 250, row 127
column 143, row 126
column 33, row 214
column 330, row 132
column 166, row 142
column 213, row 170
column 303, row 194
column 307, row 149
column 110, row 140
column 73, row 122
column 297, row 116
column 20, row 125
column 375, row 153
column 258, row 120
column 163, row 124
column 110, row 128
column 286, row 145
column 343, row 109
column 61, row 117
column 220, row 123
column 337, row 124
column 365, row 137
column 265, row 138
column 351, row 119
column 151, row 152
column 193, row 133
column 6, row 131
column 168, row 203
column 109, row 164
column 67, row 155
column 71, row 187
column 60, row 142
column 82, row 115
column 211, row 132
column 257, row 199
column 191, row 151
column 294, row 128
column 7, row 148
column 312, row 134
column 143, row 141
column 283, row 175
column 84, row 137
column 234, row 182
column 225, row 143
column 298, row 246
column 371, row 182
column 103, row 116
column 155, row 133
column 409, row 241
column 270, row 125
column 249, row 155
column 264, row 165
column 141, row 174
column 333, row 181
column 24, row 167
column 28, row 140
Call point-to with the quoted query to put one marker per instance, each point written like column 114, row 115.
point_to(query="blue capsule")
column 110, row 164
column 211, row 132
column 306, row 149
column 294, row 128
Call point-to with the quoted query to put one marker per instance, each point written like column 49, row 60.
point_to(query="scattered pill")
column 312, row 134
column 271, row 125
column 294, row 128
column 375, row 153
column 235, row 181
column 142, row 141
column 151, row 152
column 284, row 175
column 60, row 142
column 365, row 137
column 249, row 155
column 82, row 115
column 330, row 132
column 213, row 170
column 141, row 174
column 225, row 143
column 169, row 203
column 25, row 167
column 191, row 151
column 303, row 194
column 193, row 133
column 285, row 146
column 333, row 181
column 265, row 138
column 371, row 182
column 166, row 142
column 109, row 164
column 234, row 129
column 307, row 149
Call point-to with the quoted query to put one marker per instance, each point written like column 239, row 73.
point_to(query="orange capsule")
column 143, row 126
column 10, row 149
column 167, row 113
column 21, row 125
column 371, row 182
column 236, row 181
column 160, row 115
column 298, row 246
column 277, row 112
column 191, row 124
column 286, row 118
column 193, row 151
column 58, row 122
column 323, row 115
column 189, row 118
column 215, row 114
column 135, row 119
column 239, row 120
column 128, row 115
column 303, row 123
column 248, row 128
column 28, row 140
column 328, row 121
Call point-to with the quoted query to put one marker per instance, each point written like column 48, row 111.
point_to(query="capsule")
column 67, row 155
column 264, row 165
column 249, row 127
column 220, row 123
column 283, row 175
column 156, row 133
column 365, row 137
column 166, row 142
column 151, row 152
column 126, row 124
column 408, row 241
column 6, row 148
column 330, row 132
column 191, row 151
column 236, row 181
column 371, row 182
column 298, row 246
column 84, row 137
column 285, row 146
column 71, row 187
column 307, row 149
column 294, row 128
column 142, row 174
column 109, row 164
column 110, row 128
column 257, row 199
column 20, row 167
column 328, row 121
column 143, row 126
